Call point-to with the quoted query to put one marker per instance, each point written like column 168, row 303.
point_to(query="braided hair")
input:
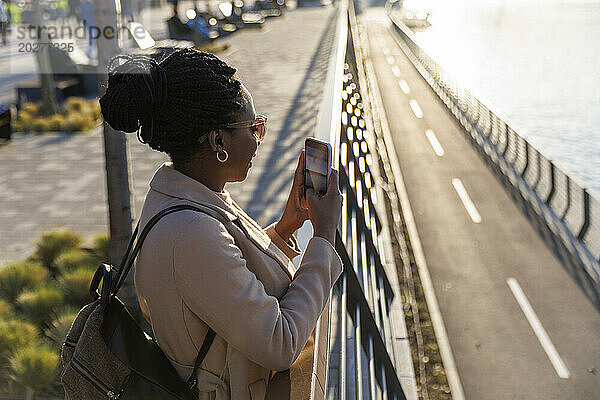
column 172, row 103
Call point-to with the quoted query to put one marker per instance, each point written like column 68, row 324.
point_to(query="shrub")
column 5, row 310
column 41, row 305
column 101, row 246
column 13, row 335
column 34, row 366
column 58, row 329
column 18, row 126
column 16, row 277
column 96, row 111
column 73, row 259
column 40, row 124
column 56, row 122
column 31, row 108
column 77, row 115
column 25, row 120
column 53, row 244
column 75, row 104
column 76, row 122
column 76, row 285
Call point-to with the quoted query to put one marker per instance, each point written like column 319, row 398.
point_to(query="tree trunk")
column 48, row 106
column 115, row 148
column 29, row 393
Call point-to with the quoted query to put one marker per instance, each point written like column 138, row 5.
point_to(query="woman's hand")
column 295, row 213
column 324, row 211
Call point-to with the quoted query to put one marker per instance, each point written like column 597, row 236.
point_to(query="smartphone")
column 317, row 166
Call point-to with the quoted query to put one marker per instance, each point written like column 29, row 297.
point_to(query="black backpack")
column 107, row 355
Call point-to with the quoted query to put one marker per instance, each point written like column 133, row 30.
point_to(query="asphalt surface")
column 482, row 251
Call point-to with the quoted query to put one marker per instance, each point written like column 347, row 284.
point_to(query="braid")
column 172, row 103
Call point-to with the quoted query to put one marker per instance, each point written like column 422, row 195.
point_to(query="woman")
column 223, row 271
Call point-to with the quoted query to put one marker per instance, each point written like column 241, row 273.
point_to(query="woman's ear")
column 215, row 140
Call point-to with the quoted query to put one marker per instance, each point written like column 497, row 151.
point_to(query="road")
column 518, row 325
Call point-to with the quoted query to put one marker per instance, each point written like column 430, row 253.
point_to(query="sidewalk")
column 58, row 180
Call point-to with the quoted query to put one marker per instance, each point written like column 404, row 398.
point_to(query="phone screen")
column 317, row 165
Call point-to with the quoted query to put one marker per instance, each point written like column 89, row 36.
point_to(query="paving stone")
column 58, row 180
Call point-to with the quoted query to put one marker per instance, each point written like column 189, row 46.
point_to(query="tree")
column 34, row 366
column 49, row 105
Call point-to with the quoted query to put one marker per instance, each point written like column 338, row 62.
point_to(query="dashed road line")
column 466, row 200
column 404, row 86
column 396, row 71
column 434, row 309
column 538, row 329
column 390, row 60
column 437, row 147
column 416, row 108
column 386, row 51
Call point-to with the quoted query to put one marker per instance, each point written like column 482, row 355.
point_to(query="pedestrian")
column 196, row 271
column 4, row 20
column 86, row 8
column 74, row 9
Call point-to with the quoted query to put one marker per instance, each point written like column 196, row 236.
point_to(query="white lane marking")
column 386, row 51
column 538, row 329
column 430, row 296
column 390, row 60
column 404, row 86
column 416, row 108
column 437, row 147
column 396, row 71
column 466, row 200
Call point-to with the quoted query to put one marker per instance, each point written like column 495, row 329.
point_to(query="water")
column 536, row 63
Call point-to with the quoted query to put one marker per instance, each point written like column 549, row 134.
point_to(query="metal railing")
column 360, row 341
column 565, row 206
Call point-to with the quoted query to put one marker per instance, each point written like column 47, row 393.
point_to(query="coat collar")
column 168, row 181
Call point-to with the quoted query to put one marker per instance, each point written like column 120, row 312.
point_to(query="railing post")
column 539, row 170
column 564, row 214
column 516, row 144
column 343, row 316
column 358, row 351
column 586, row 215
column 506, row 139
column 526, row 159
column 552, row 184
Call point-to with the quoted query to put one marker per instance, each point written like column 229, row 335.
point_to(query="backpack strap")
column 130, row 256
column 128, row 260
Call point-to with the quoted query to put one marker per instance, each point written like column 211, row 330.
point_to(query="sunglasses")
column 258, row 126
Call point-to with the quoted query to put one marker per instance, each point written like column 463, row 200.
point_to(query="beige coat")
column 192, row 272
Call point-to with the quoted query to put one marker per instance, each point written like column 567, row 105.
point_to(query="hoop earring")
column 226, row 155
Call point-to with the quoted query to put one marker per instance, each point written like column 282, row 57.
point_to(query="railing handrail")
column 326, row 128
column 328, row 123
column 363, row 293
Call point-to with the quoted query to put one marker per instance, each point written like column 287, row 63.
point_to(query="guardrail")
column 565, row 206
column 359, row 350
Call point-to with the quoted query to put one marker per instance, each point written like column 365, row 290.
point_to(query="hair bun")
column 137, row 90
